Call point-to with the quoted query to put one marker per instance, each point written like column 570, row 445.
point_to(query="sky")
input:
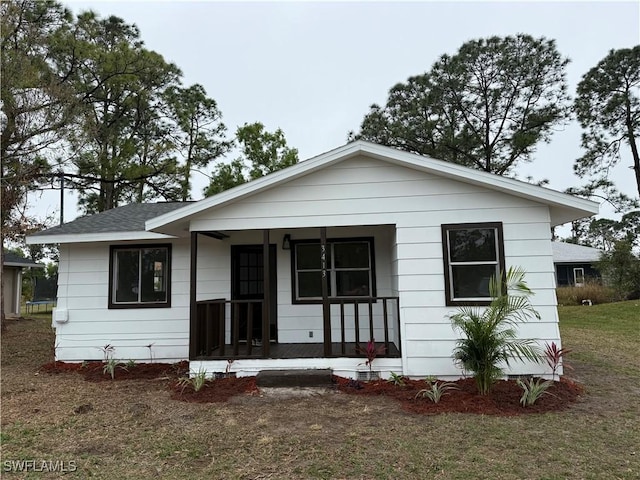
column 314, row 68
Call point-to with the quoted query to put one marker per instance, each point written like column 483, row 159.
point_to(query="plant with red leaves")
column 370, row 351
column 554, row 357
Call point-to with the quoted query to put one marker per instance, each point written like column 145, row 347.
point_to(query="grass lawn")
column 132, row 429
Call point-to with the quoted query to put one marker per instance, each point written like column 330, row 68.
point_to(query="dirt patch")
column 504, row 398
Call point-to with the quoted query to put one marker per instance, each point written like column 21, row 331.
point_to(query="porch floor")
column 296, row 350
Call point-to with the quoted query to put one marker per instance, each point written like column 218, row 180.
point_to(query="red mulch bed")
column 219, row 390
column 504, row 398
column 94, row 371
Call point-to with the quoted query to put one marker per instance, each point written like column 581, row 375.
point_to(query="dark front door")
column 247, row 283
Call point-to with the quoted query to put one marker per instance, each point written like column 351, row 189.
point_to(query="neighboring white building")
column 12, row 281
column 400, row 239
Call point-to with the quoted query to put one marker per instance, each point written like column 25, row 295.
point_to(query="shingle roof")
column 128, row 218
column 572, row 253
column 14, row 260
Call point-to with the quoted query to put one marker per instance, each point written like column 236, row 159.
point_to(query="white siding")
column 403, row 209
column 83, row 290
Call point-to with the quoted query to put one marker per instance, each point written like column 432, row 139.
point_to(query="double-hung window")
column 350, row 269
column 473, row 253
column 139, row 276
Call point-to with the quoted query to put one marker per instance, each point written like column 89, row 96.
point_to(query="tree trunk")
column 634, row 146
column 3, row 323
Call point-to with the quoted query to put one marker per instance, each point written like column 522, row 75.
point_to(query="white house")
column 12, row 269
column 400, row 240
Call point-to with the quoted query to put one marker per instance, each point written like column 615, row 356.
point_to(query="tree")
column 199, row 132
column 263, row 153
column 485, row 107
column 620, row 269
column 37, row 107
column 605, row 233
column 608, row 109
column 122, row 153
column 226, row 176
column 37, row 103
column 267, row 152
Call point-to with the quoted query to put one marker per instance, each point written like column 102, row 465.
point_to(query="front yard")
column 132, row 428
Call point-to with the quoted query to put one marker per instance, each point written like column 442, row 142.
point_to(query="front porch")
column 252, row 322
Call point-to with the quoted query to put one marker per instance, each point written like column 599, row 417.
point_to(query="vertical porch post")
column 326, row 307
column 266, row 307
column 193, row 314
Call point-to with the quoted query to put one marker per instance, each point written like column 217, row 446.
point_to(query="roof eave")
column 23, row 265
column 96, row 237
column 579, row 207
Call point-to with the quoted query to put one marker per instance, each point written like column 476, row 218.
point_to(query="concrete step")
column 294, row 378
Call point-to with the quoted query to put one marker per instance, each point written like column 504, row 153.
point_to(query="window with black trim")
column 140, row 276
column 350, row 269
column 473, row 253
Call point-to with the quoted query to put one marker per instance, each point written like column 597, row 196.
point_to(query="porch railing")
column 367, row 304
column 211, row 328
column 359, row 320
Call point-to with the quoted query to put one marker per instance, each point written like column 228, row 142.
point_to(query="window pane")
column 472, row 245
column 127, row 270
column 351, row 255
column 308, row 256
column 310, row 284
column 154, row 274
column 352, row 283
column 472, row 281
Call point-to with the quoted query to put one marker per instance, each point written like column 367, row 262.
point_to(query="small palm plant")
column 490, row 336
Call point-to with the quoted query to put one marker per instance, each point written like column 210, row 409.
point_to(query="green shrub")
column 533, row 390
column 110, row 367
column 435, row 389
column 196, row 382
column 397, row 380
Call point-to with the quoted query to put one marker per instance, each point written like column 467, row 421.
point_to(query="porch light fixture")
column 286, row 242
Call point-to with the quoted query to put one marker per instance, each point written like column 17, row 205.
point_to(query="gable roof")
column 563, row 207
column 572, row 253
column 166, row 220
column 12, row 259
column 122, row 223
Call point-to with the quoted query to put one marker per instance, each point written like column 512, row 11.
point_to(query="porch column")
column 266, row 307
column 193, row 314
column 326, row 307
